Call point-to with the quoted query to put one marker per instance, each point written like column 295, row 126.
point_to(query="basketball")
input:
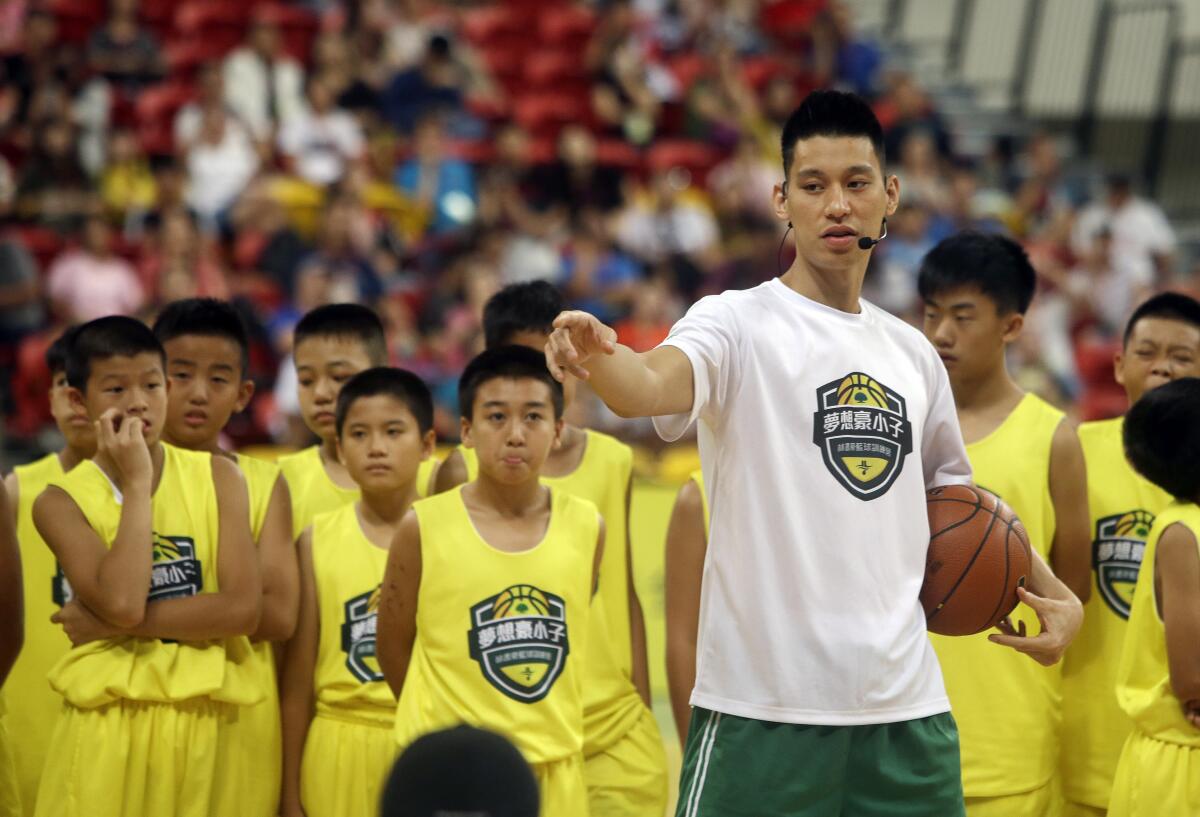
column 860, row 390
column 521, row 600
column 978, row 556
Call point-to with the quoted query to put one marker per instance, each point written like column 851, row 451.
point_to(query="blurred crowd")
column 417, row 155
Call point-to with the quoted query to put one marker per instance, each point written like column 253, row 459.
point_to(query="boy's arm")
column 233, row 610
column 396, row 627
column 12, row 603
column 632, row 384
column 280, row 575
column 451, row 473
column 1177, row 579
column 637, row 621
column 686, row 547
column 112, row 581
column 12, row 487
column 296, row 682
column 1071, row 551
column 1059, row 613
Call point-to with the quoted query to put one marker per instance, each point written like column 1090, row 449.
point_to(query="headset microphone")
column 866, row 242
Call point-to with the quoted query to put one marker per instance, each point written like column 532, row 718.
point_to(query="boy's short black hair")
column 353, row 321
column 996, row 266
column 508, row 362
column 1174, row 306
column 204, row 317
column 56, row 353
column 114, row 336
column 1162, row 437
column 386, row 380
column 830, row 113
column 525, row 307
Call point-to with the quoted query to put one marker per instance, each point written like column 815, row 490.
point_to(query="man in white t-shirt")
column 823, row 420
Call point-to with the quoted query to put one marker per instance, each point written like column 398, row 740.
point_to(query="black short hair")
column 353, row 321
column 507, row 362
column 996, row 266
column 526, row 307
column 387, row 380
column 56, row 353
column 204, row 317
column 114, row 336
column 1174, row 306
column 1162, row 437
column 830, row 113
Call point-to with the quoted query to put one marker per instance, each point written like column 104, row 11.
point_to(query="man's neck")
column 387, row 508
column 69, row 457
column 212, row 446
column 994, row 390
column 836, row 288
column 510, row 500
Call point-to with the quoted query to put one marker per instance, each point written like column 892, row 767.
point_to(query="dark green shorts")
column 740, row 767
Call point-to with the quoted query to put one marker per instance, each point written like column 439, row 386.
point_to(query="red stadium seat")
column 297, row 26
column 492, row 110
column 183, row 58
column 547, row 114
column 562, row 70
column 224, row 22
column 697, row 157
column 567, row 26
column 687, row 69
column 758, row 71
column 43, row 244
column 791, row 19
column 489, row 25
column 76, row 18
column 618, row 154
column 158, row 104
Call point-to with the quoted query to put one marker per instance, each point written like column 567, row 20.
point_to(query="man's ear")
column 779, row 201
column 76, row 399
column 465, row 432
column 245, row 395
column 1013, row 325
column 1119, row 367
column 428, row 444
column 892, row 188
column 559, row 425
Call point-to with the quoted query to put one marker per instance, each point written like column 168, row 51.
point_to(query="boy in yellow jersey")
column 32, row 704
column 1158, row 679
column 514, row 563
column 155, row 543
column 976, row 289
column 12, row 632
column 207, row 360
column 687, row 542
column 331, row 344
column 624, row 761
column 338, row 712
column 1161, row 344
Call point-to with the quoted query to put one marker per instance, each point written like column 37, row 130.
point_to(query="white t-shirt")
column 819, row 434
column 1140, row 231
column 322, row 144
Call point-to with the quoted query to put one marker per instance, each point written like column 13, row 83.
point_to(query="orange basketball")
column 978, row 556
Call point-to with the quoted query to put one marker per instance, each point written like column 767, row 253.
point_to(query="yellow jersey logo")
column 1117, row 557
column 862, row 429
column 519, row 639
column 359, row 618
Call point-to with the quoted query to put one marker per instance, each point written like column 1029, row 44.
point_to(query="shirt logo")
column 862, row 429
column 1117, row 556
column 519, row 639
column 358, row 636
column 176, row 572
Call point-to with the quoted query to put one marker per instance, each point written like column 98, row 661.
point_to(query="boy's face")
column 512, row 428
column 323, row 364
column 1159, row 350
column 71, row 417
column 532, row 339
column 969, row 333
column 381, row 444
column 134, row 385
column 206, row 388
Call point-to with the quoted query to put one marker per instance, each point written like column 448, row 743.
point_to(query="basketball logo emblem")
column 359, row 617
column 519, row 639
column 862, row 429
column 1117, row 557
column 177, row 571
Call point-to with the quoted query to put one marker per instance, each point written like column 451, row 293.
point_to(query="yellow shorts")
column 130, row 759
column 1155, row 779
column 1082, row 810
column 251, row 755
column 345, row 765
column 1046, row 801
column 629, row 778
column 560, row 784
column 10, row 792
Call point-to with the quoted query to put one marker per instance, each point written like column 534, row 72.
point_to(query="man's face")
column 207, row 388
column 969, row 332
column 381, row 444
column 836, row 193
column 134, row 385
column 323, row 364
column 1160, row 349
column 71, row 417
column 512, row 428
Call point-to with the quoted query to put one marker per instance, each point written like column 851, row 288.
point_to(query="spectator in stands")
column 920, row 171
column 437, row 83
column 654, row 312
column 53, row 188
column 894, row 285
column 263, row 86
column 122, row 51
column 1041, row 191
column 597, row 277
column 180, row 264
column 622, row 99
column 340, row 258
column 857, row 59
column 21, row 309
column 1142, row 239
column 220, row 161
column 738, row 185
column 668, row 219
column 38, row 62
column 322, row 142
column 575, row 183
column 91, row 281
column 127, row 186
column 509, row 194
column 443, row 185
column 907, row 108
column 210, row 94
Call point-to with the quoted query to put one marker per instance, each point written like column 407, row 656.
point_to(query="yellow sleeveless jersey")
column 313, row 492
column 611, row 704
column 525, row 618
column 1123, row 506
column 348, row 569
column 33, row 705
column 185, row 525
column 698, row 478
column 1007, row 705
column 1143, row 677
column 261, row 476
